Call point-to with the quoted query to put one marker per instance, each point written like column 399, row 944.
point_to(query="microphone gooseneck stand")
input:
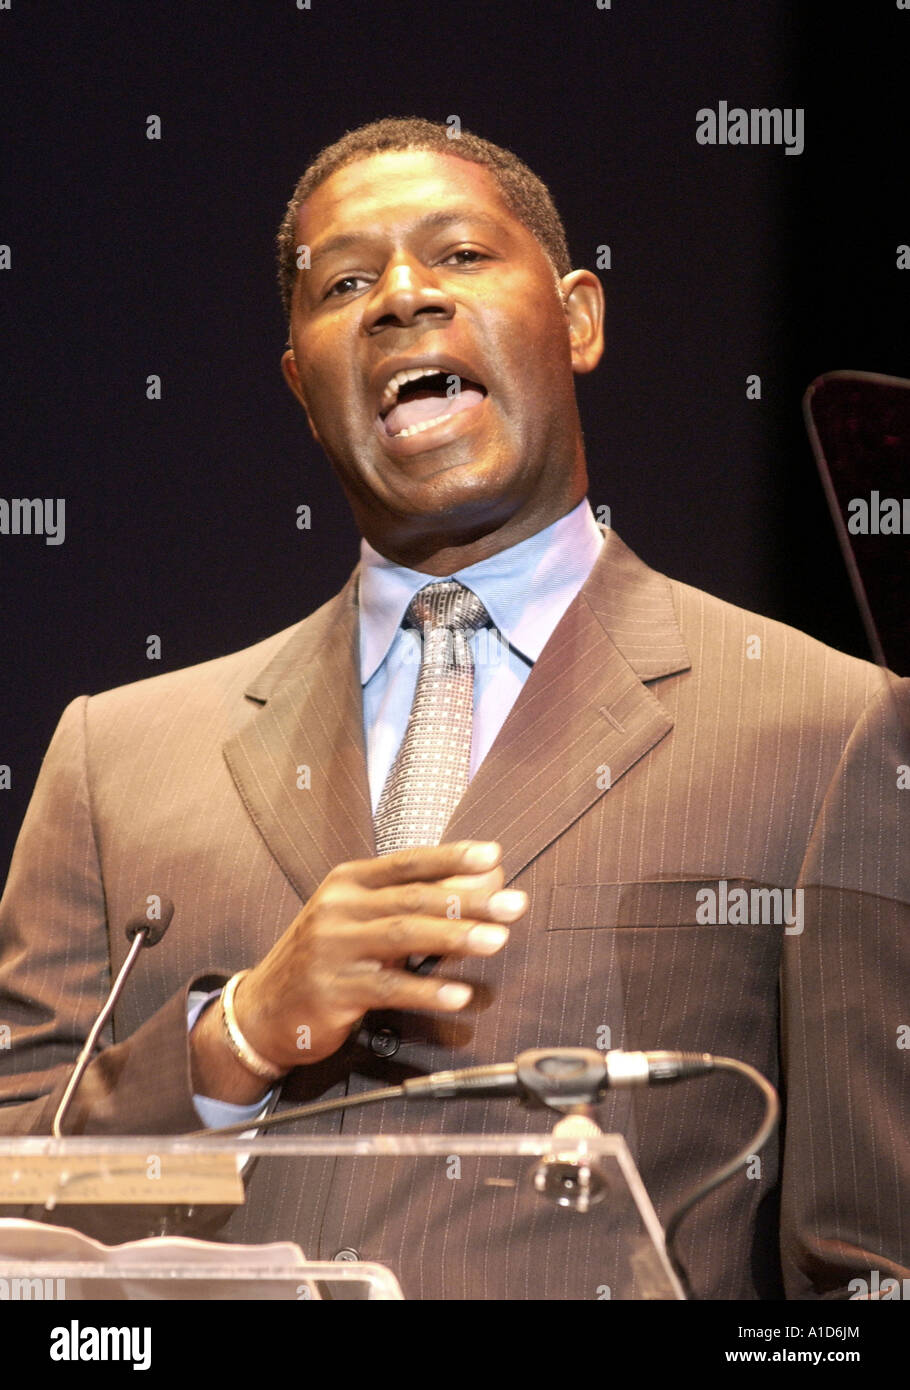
column 142, row 931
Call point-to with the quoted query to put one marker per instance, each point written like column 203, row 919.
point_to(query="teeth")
column 390, row 394
column 424, row 425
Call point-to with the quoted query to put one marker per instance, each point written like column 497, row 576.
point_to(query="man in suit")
column 638, row 751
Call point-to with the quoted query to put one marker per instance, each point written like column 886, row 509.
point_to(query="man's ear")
column 583, row 297
column 292, row 377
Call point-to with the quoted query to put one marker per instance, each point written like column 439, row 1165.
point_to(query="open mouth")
column 417, row 399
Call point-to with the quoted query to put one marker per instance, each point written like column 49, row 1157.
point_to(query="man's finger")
column 396, row 938
column 474, row 883
column 400, row 989
column 434, row 900
column 426, row 863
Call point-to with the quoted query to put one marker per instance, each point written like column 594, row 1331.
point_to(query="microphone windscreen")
column 152, row 920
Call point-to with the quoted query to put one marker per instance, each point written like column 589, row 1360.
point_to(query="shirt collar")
column 525, row 589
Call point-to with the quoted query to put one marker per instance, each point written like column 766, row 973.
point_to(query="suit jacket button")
column 385, row 1042
column 347, row 1252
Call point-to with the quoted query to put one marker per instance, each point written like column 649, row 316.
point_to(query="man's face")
column 417, row 266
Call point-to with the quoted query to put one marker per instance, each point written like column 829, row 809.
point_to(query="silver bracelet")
column 247, row 1055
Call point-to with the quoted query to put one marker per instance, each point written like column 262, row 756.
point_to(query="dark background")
column 132, row 257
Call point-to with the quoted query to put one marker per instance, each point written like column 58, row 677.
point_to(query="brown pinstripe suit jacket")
column 773, row 763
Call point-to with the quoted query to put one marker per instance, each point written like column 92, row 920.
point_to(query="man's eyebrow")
column 431, row 222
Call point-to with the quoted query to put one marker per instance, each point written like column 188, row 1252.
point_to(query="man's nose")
column 406, row 291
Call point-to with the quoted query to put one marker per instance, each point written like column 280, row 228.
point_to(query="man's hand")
column 344, row 954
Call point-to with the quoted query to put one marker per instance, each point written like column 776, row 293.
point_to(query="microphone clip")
column 563, row 1079
column 570, row 1080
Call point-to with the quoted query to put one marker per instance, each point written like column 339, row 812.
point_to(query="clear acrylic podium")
column 581, row 1200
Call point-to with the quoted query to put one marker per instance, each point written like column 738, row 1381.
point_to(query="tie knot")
column 447, row 605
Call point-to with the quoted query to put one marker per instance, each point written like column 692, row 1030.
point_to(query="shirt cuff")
column 215, row 1114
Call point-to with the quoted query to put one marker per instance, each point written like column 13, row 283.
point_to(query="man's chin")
column 446, row 481
column 448, row 496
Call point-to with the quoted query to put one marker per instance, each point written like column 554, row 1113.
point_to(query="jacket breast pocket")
column 642, row 965
column 678, row 902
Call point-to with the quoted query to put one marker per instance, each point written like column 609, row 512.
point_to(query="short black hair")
column 523, row 192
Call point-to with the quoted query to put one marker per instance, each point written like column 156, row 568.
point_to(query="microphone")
column 570, row 1079
column 564, row 1076
column 151, row 929
column 142, row 930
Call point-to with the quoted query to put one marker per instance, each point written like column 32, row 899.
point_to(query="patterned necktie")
column 430, row 772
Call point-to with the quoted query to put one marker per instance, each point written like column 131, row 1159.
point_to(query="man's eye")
column 344, row 285
column 465, row 255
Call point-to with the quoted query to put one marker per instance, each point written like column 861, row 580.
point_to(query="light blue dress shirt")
column 525, row 589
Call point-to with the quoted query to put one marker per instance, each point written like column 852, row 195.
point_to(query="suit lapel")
column 583, row 717
column 310, row 730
